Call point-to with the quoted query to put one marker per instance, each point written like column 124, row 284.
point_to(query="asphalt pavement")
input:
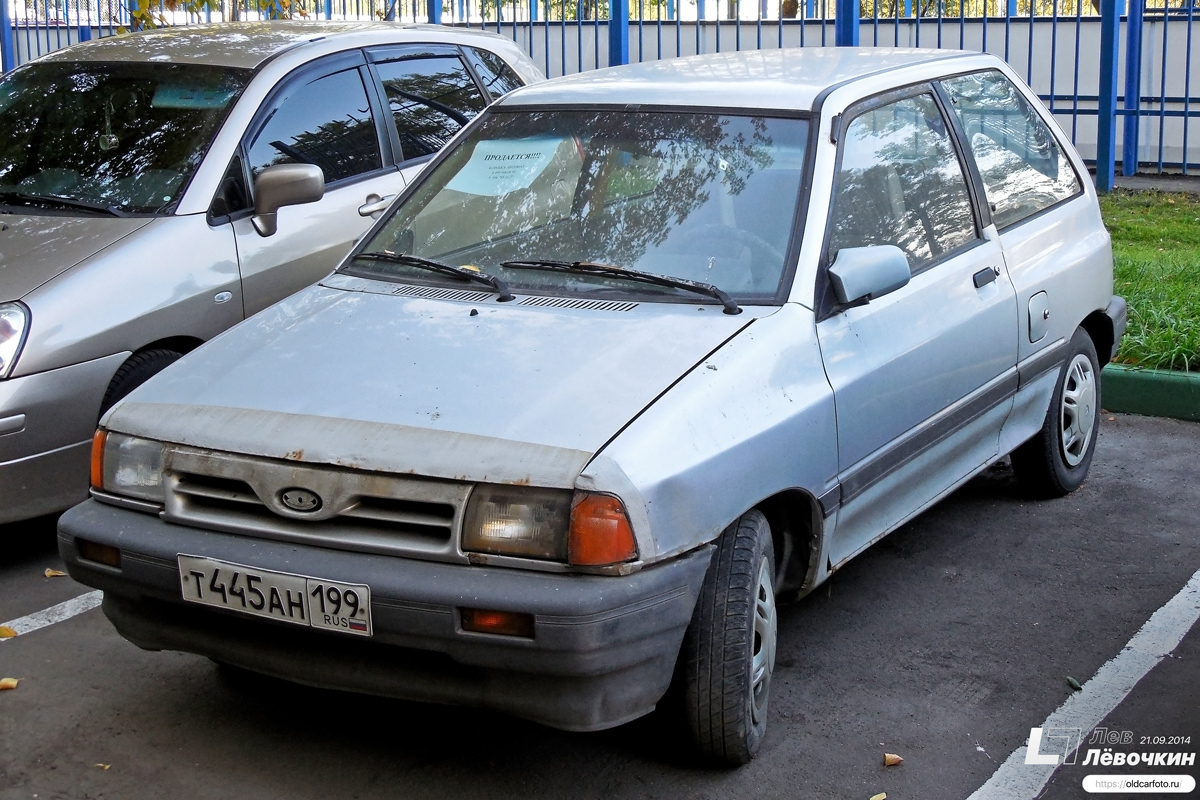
column 945, row 643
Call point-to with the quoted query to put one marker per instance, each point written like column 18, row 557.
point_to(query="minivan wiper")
column 54, row 201
column 614, row 271
column 495, row 284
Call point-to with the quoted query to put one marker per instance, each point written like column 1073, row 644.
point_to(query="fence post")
column 618, row 32
column 1106, row 119
column 1133, row 86
column 6, row 33
column 433, row 7
column 845, row 23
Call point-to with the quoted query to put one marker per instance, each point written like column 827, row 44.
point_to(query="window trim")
column 1079, row 180
column 827, row 304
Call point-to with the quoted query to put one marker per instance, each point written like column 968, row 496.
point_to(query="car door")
column 923, row 376
column 429, row 94
column 325, row 114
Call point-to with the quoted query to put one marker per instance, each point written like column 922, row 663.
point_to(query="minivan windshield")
column 702, row 197
column 103, row 137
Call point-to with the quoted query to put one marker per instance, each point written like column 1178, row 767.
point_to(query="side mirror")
column 868, row 272
column 284, row 185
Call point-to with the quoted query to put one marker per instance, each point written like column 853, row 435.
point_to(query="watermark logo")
column 1052, row 746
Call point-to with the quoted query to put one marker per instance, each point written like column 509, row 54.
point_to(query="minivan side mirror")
column 868, row 272
column 284, row 185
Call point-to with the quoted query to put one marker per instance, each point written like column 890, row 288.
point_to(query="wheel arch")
column 796, row 528
column 1100, row 328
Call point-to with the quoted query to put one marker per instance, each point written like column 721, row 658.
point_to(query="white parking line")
column 53, row 614
column 1162, row 633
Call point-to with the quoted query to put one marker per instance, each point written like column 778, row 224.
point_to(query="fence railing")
column 1120, row 80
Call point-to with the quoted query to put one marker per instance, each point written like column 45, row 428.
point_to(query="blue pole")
column 434, row 8
column 1106, row 119
column 328, row 9
column 1012, row 8
column 699, row 13
column 908, row 8
column 1133, row 85
column 845, row 23
column 533, row 12
column 618, row 32
column 7, row 61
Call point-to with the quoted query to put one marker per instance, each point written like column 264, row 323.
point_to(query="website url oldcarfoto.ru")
column 1171, row 784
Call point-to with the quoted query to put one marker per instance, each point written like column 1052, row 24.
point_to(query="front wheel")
column 1055, row 461
column 729, row 648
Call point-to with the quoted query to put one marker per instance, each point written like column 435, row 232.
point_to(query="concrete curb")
column 1151, row 392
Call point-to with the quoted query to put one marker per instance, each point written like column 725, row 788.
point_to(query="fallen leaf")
column 1074, row 684
column 102, row 766
column 8, row 683
column 880, row 796
column 891, row 759
column 6, row 633
column 54, row 573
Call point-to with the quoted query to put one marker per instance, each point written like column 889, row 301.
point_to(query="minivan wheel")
column 1055, row 461
column 729, row 648
column 139, row 368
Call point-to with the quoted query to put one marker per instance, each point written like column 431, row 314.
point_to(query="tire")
column 1055, row 462
column 140, row 368
column 729, row 649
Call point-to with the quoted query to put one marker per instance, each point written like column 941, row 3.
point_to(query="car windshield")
column 702, row 197
column 118, row 137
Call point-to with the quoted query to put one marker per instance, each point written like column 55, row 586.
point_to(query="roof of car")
column 790, row 78
column 237, row 44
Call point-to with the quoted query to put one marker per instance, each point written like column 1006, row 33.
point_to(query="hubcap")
column 763, row 658
column 1078, row 413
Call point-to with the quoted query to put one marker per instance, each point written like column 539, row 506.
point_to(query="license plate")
column 298, row 599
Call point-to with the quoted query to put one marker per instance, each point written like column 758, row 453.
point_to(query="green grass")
column 1156, row 249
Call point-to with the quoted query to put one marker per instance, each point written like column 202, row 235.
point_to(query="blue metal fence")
column 1118, row 79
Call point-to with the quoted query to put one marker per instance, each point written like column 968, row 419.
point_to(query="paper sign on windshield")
column 501, row 166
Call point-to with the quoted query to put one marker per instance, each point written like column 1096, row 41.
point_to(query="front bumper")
column 603, row 650
column 46, row 426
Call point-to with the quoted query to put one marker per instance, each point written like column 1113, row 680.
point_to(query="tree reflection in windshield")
column 122, row 135
column 704, row 197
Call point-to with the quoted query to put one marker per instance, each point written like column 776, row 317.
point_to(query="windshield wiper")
column 55, row 201
column 614, row 271
column 495, row 284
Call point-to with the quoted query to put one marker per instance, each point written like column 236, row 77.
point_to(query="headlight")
column 580, row 528
column 518, row 521
column 128, row 466
column 14, row 322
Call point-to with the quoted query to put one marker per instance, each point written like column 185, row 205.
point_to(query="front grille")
column 360, row 511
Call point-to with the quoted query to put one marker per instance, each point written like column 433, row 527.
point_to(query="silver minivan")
column 141, row 178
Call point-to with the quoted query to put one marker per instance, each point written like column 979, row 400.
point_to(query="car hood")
column 506, row 393
column 34, row 248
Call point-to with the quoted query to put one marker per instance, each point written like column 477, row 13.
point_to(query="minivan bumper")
column 603, row 650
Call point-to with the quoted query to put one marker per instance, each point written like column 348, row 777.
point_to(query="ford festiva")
column 645, row 351
column 141, row 181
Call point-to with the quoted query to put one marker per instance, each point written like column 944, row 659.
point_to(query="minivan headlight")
column 128, row 466
column 14, row 322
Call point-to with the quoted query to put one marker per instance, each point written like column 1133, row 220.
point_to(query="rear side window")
column 430, row 99
column 326, row 122
column 901, row 183
column 497, row 76
column 1024, row 170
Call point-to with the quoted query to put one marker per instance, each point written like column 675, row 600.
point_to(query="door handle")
column 985, row 276
column 375, row 205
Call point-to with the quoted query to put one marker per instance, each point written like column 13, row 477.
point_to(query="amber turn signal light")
column 504, row 623
column 600, row 532
column 100, row 553
column 98, row 458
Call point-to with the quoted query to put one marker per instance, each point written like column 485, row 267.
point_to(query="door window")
column 1023, row 168
column 900, row 182
column 498, row 77
column 327, row 122
column 430, row 99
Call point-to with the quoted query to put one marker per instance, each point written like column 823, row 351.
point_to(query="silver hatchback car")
column 141, row 178
column 643, row 352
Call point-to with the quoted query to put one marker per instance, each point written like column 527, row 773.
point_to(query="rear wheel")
column 140, row 368
column 729, row 649
column 1055, row 461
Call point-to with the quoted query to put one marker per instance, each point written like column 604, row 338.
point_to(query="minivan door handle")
column 985, row 276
